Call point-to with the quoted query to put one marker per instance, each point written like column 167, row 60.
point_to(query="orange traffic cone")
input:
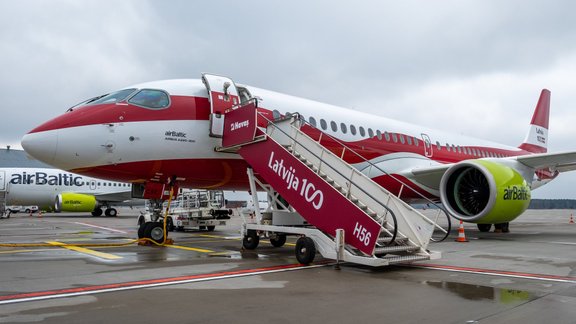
column 461, row 235
column 571, row 219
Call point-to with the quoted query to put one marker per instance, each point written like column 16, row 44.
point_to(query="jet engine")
column 74, row 202
column 484, row 192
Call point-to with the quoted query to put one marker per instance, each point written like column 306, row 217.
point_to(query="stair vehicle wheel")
column 211, row 228
column 278, row 240
column 251, row 240
column 155, row 231
column 97, row 212
column 305, row 250
column 484, row 227
column 111, row 212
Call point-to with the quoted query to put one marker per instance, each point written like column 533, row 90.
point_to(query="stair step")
column 407, row 258
column 395, row 248
column 387, row 239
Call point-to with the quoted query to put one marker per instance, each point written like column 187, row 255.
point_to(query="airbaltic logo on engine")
column 41, row 178
column 237, row 125
column 305, row 188
column 516, row 193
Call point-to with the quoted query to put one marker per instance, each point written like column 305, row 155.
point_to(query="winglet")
column 536, row 140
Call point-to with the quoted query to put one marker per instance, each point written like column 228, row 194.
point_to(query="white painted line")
column 102, row 227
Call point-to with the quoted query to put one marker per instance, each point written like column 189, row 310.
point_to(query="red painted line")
column 494, row 272
column 143, row 283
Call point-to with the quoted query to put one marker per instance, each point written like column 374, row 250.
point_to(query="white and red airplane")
column 152, row 132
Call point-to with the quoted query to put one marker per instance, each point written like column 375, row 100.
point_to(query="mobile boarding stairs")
column 334, row 208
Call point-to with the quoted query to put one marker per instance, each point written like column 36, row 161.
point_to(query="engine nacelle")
column 484, row 192
column 74, row 202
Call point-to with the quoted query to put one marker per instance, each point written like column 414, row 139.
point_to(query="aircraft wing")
column 562, row 162
column 114, row 196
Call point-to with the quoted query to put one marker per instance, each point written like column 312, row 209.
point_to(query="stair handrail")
column 346, row 147
column 394, row 232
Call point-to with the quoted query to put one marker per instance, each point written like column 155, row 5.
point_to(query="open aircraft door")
column 223, row 95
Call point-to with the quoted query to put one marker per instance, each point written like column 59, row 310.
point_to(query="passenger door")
column 223, row 95
column 428, row 149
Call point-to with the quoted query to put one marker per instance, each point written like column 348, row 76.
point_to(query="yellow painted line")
column 225, row 253
column 86, row 251
column 189, row 248
column 23, row 251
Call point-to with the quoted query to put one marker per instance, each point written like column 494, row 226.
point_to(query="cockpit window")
column 150, row 98
column 111, row 97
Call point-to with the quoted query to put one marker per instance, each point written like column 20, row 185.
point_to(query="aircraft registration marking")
column 102, row 255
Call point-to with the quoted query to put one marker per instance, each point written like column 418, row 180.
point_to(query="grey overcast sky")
column 472, row 67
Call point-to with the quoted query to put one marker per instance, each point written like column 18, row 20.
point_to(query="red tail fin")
column 536, row 140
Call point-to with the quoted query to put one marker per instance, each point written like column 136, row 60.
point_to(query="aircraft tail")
column 536, row 140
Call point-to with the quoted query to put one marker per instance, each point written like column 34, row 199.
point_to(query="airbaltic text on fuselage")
column 305, row 188
column 42, row 178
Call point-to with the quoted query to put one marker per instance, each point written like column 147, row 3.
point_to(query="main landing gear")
column 110, row 212
column 498, row 228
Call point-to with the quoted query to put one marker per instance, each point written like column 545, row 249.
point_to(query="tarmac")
column 525, row 276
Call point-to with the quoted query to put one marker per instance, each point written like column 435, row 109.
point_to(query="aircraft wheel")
column 155, row 231
column 279, row 240
column 305, row 250
column 211, row 228
column 97, row 212
column 111, row 212
column 251, row 240
column 505, row 227
column 484, row 227
column 170, row 225
column 141, row 228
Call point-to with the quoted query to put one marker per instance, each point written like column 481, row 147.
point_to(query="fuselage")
column 133, row 141
column 41, row 186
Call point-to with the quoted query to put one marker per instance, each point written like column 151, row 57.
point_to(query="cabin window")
column 370, row 132
column 394, row 138
column 379, row 134
column 312, row 121
column 334, row 126
column 150, row 98
column 459, row 149
column 453, row 148
column 343, row 128
column 402, row 141
column 409, row 140
column 99, row 184
column 323, row 124
column 362, row 132
column 438, row 145
column 387, row 136
column 353, row 129
column 416, row 141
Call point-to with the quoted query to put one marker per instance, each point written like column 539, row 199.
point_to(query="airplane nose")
column 41, row 145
